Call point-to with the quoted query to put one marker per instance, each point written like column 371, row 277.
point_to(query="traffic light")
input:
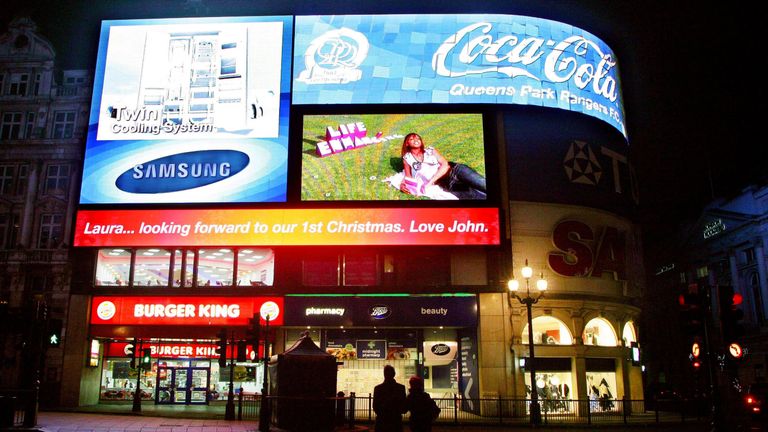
column 222, row 347
column 731, row 315
column 146, row 357
column 53, row 335
column 253, row 334
column 692, row 310
column 132, row 350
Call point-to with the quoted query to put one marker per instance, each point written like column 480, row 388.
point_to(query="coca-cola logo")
column 473, row 50
column 379, row 312
column 440, row 349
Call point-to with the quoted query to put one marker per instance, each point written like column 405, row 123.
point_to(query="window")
column 21, row 184
column 599, row 331
column 360, row 269
column 754, row 283
column 113, row 267
column 11, row 126
column 63, row 124
column 255, row 267
column 215, row 267
column 321, row 271
column 7, row 176
column 2, row 81
column 183, row 268
column 18, row 84
column 548, row 330
column 29, row 126
column 57, row 179
column 50, row 231
column 151, row 267
column 36, row 85
column 9, row 230
column 749, row 255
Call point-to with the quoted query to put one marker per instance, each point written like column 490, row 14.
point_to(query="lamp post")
column 529, row 301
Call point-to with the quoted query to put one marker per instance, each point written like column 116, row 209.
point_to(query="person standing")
column 389, row 403
column 423, row 409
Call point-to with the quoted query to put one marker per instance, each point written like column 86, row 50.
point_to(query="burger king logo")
column 106, row 310
column 269, row 311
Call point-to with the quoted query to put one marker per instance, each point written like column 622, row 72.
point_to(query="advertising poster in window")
column 189, row 110
column 380, row 157
column 455, row 59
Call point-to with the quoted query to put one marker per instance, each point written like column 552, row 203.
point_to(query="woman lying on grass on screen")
column 427, row 173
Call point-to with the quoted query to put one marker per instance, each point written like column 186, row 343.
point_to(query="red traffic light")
column 737, row 299
column 696, row 364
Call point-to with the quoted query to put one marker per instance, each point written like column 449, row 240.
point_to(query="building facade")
column 217, row 188
column 44, row 114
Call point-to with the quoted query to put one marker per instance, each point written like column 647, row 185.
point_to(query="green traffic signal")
column 146, row 357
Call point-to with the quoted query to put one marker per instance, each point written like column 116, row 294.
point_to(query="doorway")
column 182, row 385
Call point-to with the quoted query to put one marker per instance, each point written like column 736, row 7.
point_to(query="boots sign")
column 582, row 252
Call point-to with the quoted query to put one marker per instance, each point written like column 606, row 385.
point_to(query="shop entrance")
column 182, row 385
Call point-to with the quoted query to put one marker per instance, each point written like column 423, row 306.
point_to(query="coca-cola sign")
column 498, row 59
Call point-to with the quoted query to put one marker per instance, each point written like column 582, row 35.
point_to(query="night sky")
column 690, row 77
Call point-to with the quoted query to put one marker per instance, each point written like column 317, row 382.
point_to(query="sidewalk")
column 90, row 422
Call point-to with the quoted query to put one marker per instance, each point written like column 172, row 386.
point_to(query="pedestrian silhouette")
column 389, row 403
column 423, row 409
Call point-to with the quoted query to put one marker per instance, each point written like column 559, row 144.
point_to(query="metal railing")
column 508, row 411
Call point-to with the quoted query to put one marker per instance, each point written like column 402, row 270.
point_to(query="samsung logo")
column 440, row 349
column 379, row 312
column 182, row 171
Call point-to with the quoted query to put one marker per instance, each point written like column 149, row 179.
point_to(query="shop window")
column 10, row 128
column 255, row 267
column 554, row 385
column 151, row 267
column 599, row 332
column 628, row 335
column 321, row 271
column 51, row 227
column 63, row 124
column 601, row 385
column 548, row 330
column 215, row 267
column 183, row 268
column 118, row 381
column 57, row 179
column 113, row 267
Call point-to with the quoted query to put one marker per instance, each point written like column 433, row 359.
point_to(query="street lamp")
column 529, row 301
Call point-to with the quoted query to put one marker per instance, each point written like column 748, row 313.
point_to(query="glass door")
column 181, row 385
column 198, row 390
column 164, row 385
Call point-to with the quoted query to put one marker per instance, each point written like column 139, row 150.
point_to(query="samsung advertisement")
column 189, row 111
column 454, row 59
column 382, row 157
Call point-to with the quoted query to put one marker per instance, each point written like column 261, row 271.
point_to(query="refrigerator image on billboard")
column 189, row 110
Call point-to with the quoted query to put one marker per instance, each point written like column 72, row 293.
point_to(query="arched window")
column 600, row 332
column 548, row 331
column 628, row 335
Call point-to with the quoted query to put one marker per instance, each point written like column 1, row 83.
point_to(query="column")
column 27, row 217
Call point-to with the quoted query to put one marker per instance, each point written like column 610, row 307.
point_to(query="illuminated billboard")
column 189, row 111
column 374, row 157
column 450, row 59
column 288, row 227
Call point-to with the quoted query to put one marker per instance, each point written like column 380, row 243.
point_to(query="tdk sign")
column 182, row 171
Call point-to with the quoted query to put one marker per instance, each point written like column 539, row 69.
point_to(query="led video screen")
column 383, row 157
column 189, row 110
column 455, row 59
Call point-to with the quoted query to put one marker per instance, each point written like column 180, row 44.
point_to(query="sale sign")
column 219, row 311
column 288, row 227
